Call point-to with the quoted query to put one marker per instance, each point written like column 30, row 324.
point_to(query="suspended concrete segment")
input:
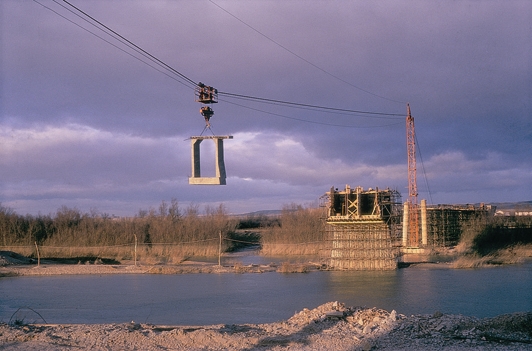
column 220, row 177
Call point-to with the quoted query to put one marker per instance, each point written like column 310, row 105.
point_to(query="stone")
column 393, row 315
column 367, row 329
column 334, row 314
column 437, row 314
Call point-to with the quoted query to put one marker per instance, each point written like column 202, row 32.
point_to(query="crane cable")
column 192, row 84
column 295, row 104
column 424, row 172
column 309, row 121
column 133, row 44
column 300, row 57
column 105, row 40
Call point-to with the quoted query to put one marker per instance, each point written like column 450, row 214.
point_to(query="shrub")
column 300, row 232
column 164, row 236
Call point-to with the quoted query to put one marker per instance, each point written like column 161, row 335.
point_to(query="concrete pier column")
column 220, row 164
column 196, row 164
column 424, row 239
column 405, row 224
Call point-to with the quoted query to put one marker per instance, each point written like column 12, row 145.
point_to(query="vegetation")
column 287, row 267
column 498, row 240
column 168, row 234
column 299, row 231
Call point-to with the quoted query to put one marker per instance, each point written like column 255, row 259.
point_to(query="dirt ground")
column 331, row 326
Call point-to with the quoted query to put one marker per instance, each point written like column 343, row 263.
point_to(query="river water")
column 200, row 299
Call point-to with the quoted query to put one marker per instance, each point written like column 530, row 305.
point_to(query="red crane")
column 413, row 213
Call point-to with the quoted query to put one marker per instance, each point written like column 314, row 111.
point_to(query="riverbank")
column 69, row 269
column 12, row 264
column 331, row 326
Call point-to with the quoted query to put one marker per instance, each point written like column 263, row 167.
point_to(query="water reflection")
column 365, row 288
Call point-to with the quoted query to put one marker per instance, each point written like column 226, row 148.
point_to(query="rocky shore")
column 331, row 326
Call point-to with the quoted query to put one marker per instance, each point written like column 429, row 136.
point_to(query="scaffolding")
column 363, row 227
column 446, row 223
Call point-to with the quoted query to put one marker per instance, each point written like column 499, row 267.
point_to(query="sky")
column 88, row 123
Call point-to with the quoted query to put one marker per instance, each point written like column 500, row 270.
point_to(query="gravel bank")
column 331, row 326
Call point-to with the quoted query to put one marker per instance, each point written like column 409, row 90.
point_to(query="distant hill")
column 521, row 205
column 265, row 213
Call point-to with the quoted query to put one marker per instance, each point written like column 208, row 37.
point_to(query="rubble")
column 331, row 326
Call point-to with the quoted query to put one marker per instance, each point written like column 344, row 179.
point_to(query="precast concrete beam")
column 220, row 174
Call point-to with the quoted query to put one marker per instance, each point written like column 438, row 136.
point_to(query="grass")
column 169, row 235
column 500, row 241
column 472, row 261
column 287, row 267
column 299, row 231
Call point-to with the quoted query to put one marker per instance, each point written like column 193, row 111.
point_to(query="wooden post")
column 135, row 249
column 220, row 251
column 38, row 255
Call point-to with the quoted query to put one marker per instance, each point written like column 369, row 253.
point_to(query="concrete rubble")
column 331, row 326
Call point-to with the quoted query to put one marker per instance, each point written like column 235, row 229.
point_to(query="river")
column 201, row 299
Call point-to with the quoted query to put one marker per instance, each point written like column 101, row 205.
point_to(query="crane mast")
column 413, row 213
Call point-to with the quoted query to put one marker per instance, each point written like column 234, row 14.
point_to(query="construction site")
column 374, row 230
column 366, row 229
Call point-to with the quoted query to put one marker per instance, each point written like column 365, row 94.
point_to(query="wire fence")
column 164, row 251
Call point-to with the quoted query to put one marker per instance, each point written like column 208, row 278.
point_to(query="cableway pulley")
column 206, row 94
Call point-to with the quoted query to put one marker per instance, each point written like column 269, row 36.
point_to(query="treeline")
column 167, row 234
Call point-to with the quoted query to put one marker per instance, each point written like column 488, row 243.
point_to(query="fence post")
column 220, row 251
column 38, row 255
column 135, row 249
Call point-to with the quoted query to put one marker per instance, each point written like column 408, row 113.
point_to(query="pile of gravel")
column 331, row 326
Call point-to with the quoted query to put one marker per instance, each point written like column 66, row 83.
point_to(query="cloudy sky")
column 87, row 122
